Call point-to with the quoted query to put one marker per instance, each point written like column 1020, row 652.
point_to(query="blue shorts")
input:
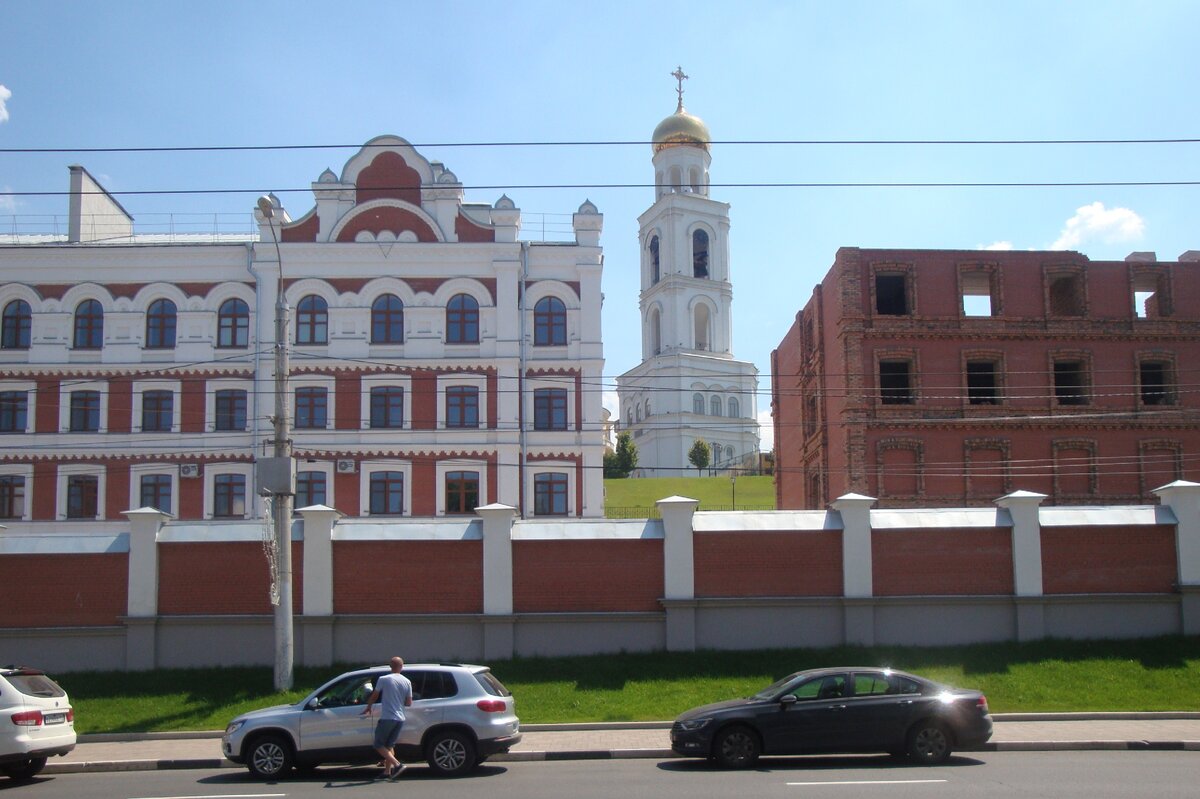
column 387, row 732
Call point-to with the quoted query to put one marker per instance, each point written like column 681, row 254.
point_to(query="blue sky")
column 234, row 73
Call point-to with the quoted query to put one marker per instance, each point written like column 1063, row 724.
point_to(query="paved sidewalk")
column 1013, row 732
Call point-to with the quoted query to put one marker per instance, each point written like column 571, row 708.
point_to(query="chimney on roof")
column 1191, row 256
column 94, row 214
column 1142, row 257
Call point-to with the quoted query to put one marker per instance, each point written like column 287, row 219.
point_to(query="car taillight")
column 981, row 704
column 70, row 714
column 491, row 705
column 28, row 718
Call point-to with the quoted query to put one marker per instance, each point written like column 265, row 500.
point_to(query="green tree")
column 622, row 462
column 700, row 454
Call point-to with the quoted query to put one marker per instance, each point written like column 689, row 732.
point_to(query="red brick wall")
column 768, row 564
column 592, row 575
column 348, row 407
column 191, row 496
column 221, row 578
column 45, row 490
column 942, row 562
column 191, row 405
column 47, row 406
column 63, row 590
column 345, row 492
column 408, row 577
column 120, row 405
column 116, row 490
column 424, row 488
column 1108, row 560
column 424, row 400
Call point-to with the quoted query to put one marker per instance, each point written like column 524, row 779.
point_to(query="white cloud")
column 766, row 431
column 4, row 95
column 1096, row 223
column 8, row 204
column 997, row 245
column 609, row 400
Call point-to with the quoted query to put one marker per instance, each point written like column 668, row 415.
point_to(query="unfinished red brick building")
column 953, row 377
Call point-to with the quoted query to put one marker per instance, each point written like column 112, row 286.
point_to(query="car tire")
column 269, row 757
column 929, row 743
column 450, row 753
column 24, row 770
column 736, row 747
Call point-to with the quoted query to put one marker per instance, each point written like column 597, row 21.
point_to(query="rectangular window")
column 891, row 295
column 155, row 492
column 462, row 492
column 230, row 409
column 387, row 493
column 12, row 496
column 810, row 415
column 895, row 383
column 977, row 293
column 550, row 494
column 1066, row 295
column 387, row 406
column 85, row 411
column 311, row 408
column 229, row 496
column 550, row 409
column 157, row 411
column 13, row 407
column 82, row 496
column 982, row 386
column 462, row 406
column 310, row 489
column 1155, row 383
column 1070, row 387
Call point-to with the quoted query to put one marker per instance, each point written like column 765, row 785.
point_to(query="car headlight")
column 695, row 724
column 233, row 727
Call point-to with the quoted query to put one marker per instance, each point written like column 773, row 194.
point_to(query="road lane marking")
column 867, row 782
column 217, row 796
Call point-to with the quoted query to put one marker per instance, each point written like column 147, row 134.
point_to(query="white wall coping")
column 766, row 521
column 1114, row 515
column 58, row 544
column 210, row 531
column 466, row 529
column 586, row 529
column 933, row 518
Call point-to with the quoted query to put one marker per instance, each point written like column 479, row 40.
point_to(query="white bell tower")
column 689, row 385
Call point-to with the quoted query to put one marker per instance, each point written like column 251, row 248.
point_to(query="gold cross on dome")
column 679, row 77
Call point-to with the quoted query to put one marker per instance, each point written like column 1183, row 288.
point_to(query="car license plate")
column 54, row 718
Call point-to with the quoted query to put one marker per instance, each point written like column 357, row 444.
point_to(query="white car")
column 459, row 716
column 36, row 721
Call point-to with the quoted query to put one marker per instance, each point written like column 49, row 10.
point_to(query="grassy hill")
column 635, row 497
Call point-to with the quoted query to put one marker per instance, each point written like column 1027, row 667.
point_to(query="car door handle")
column 837, row 707
column 906, row 701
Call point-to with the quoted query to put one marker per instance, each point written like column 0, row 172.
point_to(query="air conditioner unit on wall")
column 347, row 467
column 189, row 470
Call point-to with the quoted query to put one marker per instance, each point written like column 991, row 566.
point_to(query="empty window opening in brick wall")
column 1155, row 383
column 1070, row 385
column 891, row 294
column 1148, row 296
column 977, row 294
column 895, row 383
column 982, row 384
column 1066, row 295
column 810, row 415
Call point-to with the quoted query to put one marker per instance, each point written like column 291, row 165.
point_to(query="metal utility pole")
column 281, row 500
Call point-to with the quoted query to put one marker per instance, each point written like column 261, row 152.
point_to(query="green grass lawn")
column 1154, row 674
column 713, row 492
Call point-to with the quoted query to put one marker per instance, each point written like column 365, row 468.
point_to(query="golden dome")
column 680, row 129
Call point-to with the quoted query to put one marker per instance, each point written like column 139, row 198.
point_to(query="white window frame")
column 211, row 387
column 68, row 470
column 377, row 381
column 479, row 382
column 140, row 387
column 367, row 468
column 21, row 470
column 328, row 468
column 547, row 467
column 211, row 470
column 30, row 389
column 69, row 386
column 138, row 470
column 444, row 467
column 315, row 381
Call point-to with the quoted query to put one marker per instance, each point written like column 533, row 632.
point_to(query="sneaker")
column 396, row 772
column 384, row 774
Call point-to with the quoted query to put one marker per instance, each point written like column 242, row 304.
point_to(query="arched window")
column 160, row 325
column 233, row 324
column 734, row 408
column 638, row 412
column 654, row 263
column 647, row 408
column 676, row 179
column 387, row 320
column 462, row 320
column 698, row 403
column 89, row 325
column 17, row 323
column 694, row 179
column 702, row 326
column 729, row 454
column 714, row 405
column 629, row 417
column 549, row 322
column 655, row 332
column 312, row 320
column 699, row 254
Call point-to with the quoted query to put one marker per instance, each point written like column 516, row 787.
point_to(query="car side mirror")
column 313, row 704
column 788, row 699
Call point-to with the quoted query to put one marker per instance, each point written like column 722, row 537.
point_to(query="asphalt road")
column 1062, row 775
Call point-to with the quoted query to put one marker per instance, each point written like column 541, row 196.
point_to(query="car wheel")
column 736, row 747
column 269, row 757
column 25, row 769
column 450, row 753
column 929, row 743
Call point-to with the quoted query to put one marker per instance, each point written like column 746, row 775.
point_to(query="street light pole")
column 281, row 501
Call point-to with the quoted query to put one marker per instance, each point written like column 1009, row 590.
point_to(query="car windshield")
column 35, row 685
column 774, row 688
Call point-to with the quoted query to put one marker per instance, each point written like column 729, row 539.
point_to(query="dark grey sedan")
column 846, row 709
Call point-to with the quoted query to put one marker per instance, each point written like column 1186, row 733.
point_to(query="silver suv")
column 459, row 716
column 36, row 721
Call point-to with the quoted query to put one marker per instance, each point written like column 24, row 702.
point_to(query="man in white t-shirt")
column 394, row 693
